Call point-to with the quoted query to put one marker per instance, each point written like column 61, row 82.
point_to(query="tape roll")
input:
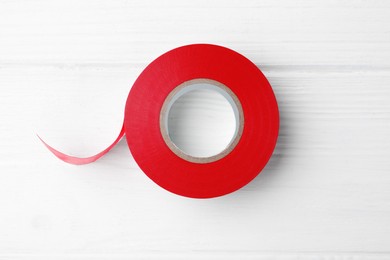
column 148, row 103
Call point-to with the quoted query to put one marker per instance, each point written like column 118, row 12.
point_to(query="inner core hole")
column 201, row 121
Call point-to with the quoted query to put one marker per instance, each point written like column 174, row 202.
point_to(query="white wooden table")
column 66, row 68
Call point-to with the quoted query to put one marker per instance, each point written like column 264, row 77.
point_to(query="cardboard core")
column 201, row 84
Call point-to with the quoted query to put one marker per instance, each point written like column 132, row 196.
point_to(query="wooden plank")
column 269, row 32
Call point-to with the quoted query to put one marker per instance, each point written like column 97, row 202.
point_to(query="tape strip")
column 79, row 160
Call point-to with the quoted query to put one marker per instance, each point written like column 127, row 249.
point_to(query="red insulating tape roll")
column 143, row 130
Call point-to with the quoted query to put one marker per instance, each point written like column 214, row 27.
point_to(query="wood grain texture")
column 65, row 71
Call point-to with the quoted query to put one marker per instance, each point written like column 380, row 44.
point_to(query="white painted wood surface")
column 65, row 71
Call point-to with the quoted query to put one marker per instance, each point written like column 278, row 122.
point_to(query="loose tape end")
column 86, row 160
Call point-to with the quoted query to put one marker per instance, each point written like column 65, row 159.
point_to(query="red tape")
column 142, row 122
